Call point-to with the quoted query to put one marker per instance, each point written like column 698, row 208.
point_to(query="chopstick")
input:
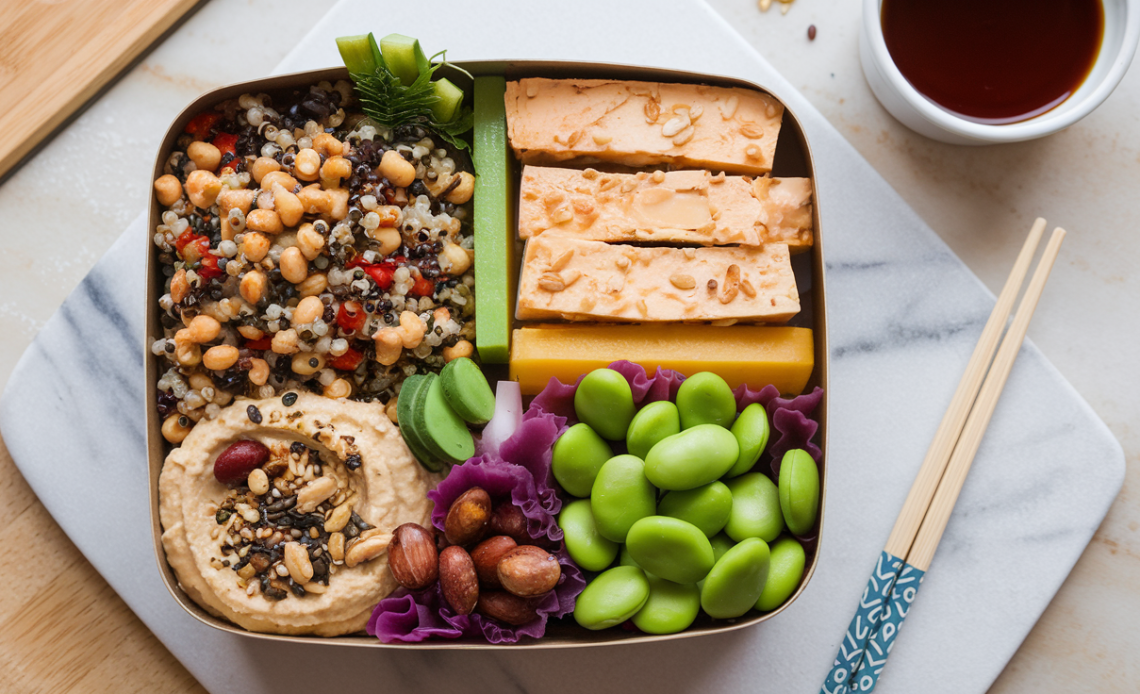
column 893, row 574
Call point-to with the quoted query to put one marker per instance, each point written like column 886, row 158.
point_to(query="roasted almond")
column 528, row 571
column 457, row 580
column 506, row 607
column 412, row 557
column 509, row 520
column 486, row 556
column 468, row 517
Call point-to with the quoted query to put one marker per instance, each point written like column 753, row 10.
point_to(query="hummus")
column 236, row 552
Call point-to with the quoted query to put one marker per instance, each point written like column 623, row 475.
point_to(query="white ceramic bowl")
column 917, row 112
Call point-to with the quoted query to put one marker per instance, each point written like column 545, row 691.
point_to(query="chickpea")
column 461, row 193
column 399, row 172
column 222, row 398
column 285, row 342
column 287, row 182
column 202, row 187
column 262, row 166
column 441, row 315
column 389, row 345
column 240, row 198
column 188, row 353
column 204, row 155
column 168, row 189
column 463, row 348
column 204, row 329
column 389, row 239
column 338, row 203
column 307, row 165
column 307, row 363
column 294, row 267
column 315, row 200
column 340, row 388
column 255, row 246
column 265, row 199
column 199, row 380
column 308, row 310
column 179, row 287
column 412, row 329
column 389, row 215
column 392, row 410
column 334, row 169
column 326, row 144
column 258, row 371
column 264, row 220
column 175, row 427
column 220, row 358
column 454, row 260
column 313, row 285
column 288, row 206
column 250, row 333
column 252, row 286
column 310, row 241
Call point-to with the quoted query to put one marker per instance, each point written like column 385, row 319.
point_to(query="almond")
column 528, row 571
column 412, row 557
column 468, row 517
column 486, row 556
column 509, row 520
column 506, row 607
column 457, row 580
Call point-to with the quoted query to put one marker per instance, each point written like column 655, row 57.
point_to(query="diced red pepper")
column 225, row 142
column 381, row 274
column 186, row 238
column 208, row 267
column 423, row 287
column 350, row 316
column 200, row 125
column 358, row 261
column 347, row 361
column 262, row 344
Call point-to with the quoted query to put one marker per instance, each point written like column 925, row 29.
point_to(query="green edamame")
column 755, row 508
column 785, row 569
column 799, row 491
column 621, row 496
column 654, row 422
column 696, row 456
column 671, row 607
column 611, row 598
column 604, row 400
column 735, row 582
column 751, row 431
column 578, row 455
column 721, row 543
column 585, row 545
column 705, row 398
column 672, row 549
column 706, row 507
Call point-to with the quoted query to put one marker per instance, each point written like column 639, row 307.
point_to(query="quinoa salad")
column 305, row 247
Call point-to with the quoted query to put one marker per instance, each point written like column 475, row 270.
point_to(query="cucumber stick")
column 467, row 391
column 495, row 264
column 414, row 389
column 360, row 54
column 404, row 57
column 443, row 432
column 450, row 99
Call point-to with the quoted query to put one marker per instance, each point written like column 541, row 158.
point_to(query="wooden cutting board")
column 55, row 55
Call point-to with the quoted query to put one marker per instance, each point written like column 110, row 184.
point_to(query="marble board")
column 904, row 315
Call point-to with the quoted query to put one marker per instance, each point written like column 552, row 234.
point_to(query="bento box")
column 793, row 158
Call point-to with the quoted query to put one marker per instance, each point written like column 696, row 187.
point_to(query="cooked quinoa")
column 305, row 248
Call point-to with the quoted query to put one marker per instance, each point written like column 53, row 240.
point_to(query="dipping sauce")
column 994, row 61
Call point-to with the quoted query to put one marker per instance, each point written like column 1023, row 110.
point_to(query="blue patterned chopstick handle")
column 877, row 650
column 863, row 624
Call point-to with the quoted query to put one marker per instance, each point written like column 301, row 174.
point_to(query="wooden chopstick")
column 892, row 561
column 929, row 532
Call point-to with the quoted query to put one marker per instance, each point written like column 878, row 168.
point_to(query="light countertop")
column 64, row 208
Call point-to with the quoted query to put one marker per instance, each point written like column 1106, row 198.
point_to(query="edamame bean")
column 654, row 422
column 621, row 496
column 706, row 507
column 721, row 543
column 736, row 580
column 799, row 491
column 705, row 398
column 604, row 400
column 611, row 598
column 586, row 546
column 670, row 548
column 671, row 607
column 751, row 432
column 785, row 569
column 624, row 559
column 755, row 508
column 578, row 455
column 695, row 457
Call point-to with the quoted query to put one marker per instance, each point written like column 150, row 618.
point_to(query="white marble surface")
column 901, row 311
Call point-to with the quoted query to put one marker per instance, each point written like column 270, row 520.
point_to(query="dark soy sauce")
column 994, row 61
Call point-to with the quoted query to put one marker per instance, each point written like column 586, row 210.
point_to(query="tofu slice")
column 642, row 124
column 666, row 207
column 565, row 277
